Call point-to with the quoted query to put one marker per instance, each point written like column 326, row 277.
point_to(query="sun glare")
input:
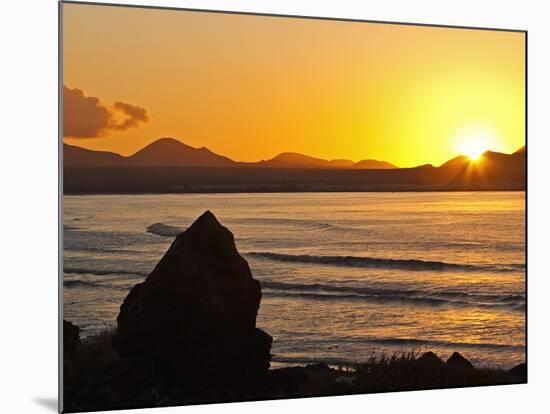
column 473, row 150
column 473, row 143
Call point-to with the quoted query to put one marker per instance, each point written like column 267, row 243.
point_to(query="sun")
column 473, row 142
column 473, row 149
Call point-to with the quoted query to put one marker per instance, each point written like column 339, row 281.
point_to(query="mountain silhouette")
column 171, row 152
column 374, row 165
column 297, row 160
column 488, row 160
column 77, row 156
column 458, row 161
column 491, row 167
column 168, row 165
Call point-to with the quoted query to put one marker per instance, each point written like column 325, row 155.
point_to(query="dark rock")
column 458, row 361
column 520, row 372
column 194, row 317
column 71, row 338
column 429, row 359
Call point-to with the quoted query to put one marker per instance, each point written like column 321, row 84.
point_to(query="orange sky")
column 250, row 87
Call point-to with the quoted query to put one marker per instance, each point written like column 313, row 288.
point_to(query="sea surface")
column 344, row 275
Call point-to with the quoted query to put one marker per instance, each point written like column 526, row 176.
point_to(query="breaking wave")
column 100, row 272
column 402, row 343
column 319, row 291
column 372, row 262
column 297, row 224
column 164, row 230
column 79, row 283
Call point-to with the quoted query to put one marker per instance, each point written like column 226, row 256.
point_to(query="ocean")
column 344, row 276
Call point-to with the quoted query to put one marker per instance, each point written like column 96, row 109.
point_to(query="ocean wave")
column 300, row 224
column 372, row 262
column 319, row 291
column 79, row 283
column 402, row 345
column 446, row 344
column 101, row 249
column 372, row 298
column 100, row 272
column 405, row 344
column 331, row 361
column 164, row 230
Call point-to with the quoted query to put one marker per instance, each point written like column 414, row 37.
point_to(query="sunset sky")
column 251, row 87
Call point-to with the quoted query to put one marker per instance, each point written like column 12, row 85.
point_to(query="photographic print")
column 261, row 207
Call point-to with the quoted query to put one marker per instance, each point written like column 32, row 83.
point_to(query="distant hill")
column 165, row 152
column 491, row 167
column 171, row 152
column 373, row 165
column 456, row 161
column 168, row 165
column 77, row 156
column 488, row 160
column 296, row 160
column 341, row 163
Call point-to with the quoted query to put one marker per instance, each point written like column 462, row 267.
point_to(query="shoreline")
column 96, row 378
column 151, row 359
column 279, row 361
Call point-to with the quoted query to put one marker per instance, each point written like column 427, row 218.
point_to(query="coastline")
column 163, row 179
column 97, row 378
column 134, row 367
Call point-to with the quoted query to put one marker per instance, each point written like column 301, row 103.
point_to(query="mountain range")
column 169, row 166
column 169, row 152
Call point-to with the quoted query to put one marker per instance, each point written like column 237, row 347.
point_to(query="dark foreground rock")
column 194, row 317
column 102, row 380
column 519, row 372
column 457, row 360
column 71, row 338
column 429, row 359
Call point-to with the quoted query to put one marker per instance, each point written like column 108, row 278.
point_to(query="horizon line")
column 523, row 147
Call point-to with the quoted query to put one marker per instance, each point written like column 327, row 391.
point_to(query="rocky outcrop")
column 519, row 372
column 429, row 359
column 194, row 316
column 458, row 361
column 71, row 338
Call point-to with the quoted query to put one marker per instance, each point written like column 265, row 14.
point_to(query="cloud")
column 134, row 115
column 88, row 117
column 83, row 116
